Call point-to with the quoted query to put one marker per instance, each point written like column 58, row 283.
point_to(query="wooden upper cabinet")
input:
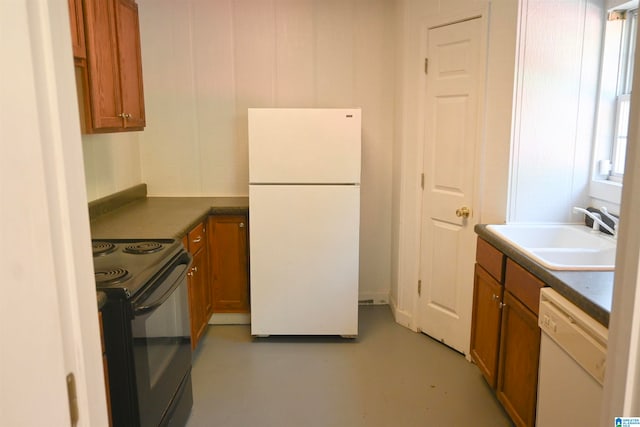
column 114, row 64
column 76, row 18
column 130, row 62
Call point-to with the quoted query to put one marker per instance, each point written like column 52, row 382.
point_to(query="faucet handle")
column 612, row 217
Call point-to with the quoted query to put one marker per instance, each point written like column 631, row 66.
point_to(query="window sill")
column 608, row 191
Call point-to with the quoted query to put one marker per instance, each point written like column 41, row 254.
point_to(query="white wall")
column 111, row 163
column 416, row 15
column 48, row 314
column 556, row 96
column 205, row 62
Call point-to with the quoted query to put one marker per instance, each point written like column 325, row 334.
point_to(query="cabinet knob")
column 495, row 297
column 502, row 305
column 241, row 225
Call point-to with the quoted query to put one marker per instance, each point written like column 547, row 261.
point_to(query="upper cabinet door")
column 102, row 58
column 130, row 61
column 114, row 64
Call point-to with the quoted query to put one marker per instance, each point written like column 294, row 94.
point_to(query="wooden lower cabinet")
column 198, row 280
column 229, row 263
column 519, row 356
column 505, row 337
column 485, row 330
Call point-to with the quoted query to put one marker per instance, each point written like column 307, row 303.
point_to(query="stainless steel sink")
column 560, row 246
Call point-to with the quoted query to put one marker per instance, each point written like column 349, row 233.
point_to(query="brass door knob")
column 463, row 212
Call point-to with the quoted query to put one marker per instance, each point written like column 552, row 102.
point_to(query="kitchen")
column 389, row 169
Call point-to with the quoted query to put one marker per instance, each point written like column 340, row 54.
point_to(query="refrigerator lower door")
column 304, row 246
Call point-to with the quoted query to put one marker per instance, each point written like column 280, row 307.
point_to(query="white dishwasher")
column 573, row 352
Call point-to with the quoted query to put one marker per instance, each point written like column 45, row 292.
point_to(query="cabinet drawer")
column 491, row 259
column 196, row 238
column 523, row 285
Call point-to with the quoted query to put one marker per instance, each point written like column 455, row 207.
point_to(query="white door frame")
column 439, row 21
column 622, row 380
column 50, row 323
column 405, row 304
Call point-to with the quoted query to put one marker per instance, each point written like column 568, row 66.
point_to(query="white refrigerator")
column 304, row 220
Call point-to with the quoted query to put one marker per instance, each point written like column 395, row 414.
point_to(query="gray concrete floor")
column 388, row 376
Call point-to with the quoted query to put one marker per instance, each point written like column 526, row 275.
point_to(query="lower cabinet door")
column 518, row 366
column 485, row 329
column 201, row 290
column 229, row 268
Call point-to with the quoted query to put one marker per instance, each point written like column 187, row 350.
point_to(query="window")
column 625, row 79
column 616, row 78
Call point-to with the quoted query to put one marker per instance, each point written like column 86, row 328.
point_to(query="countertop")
column 591, row 291
column 163, row 217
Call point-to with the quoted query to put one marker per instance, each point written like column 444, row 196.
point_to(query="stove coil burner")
column 102, row 248
column 142, row 248
column 112, row 276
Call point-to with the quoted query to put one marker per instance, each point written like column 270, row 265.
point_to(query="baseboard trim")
column 402, row 317
column 230, row 319
column 374, row 298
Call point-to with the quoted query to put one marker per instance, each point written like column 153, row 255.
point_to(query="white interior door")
column 451, row 135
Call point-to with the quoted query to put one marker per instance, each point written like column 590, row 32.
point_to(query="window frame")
column 616, row 74
column 623, row 100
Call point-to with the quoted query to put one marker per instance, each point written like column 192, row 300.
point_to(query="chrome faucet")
column 613, row 218
column 597, row 220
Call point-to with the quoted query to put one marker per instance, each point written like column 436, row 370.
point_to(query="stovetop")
column 125, row 266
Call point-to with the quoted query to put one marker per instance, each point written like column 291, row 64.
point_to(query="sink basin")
column 560, row 246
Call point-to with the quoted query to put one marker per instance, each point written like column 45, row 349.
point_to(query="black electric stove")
column 125, row 266
column 146, row 329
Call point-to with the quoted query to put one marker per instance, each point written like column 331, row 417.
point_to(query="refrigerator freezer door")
column 304, row 259
column 292, row 145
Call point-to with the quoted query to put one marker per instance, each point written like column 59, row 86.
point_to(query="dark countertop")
column 163, row 217
column 591, row 291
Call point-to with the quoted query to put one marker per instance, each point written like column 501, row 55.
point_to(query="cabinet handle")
column 241, row 225
column 502, row 305
column 197, row 239
column 195, row 269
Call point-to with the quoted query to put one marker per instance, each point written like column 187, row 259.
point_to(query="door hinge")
column 422, row 181
column 419, row 287
column 73, row 399
column 426, row 65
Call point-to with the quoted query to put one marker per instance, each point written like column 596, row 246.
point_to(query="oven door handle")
column 142, row 309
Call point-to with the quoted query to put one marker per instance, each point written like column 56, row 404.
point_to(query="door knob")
column 463, row 212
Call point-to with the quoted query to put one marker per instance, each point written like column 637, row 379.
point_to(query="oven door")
column 161, row 344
